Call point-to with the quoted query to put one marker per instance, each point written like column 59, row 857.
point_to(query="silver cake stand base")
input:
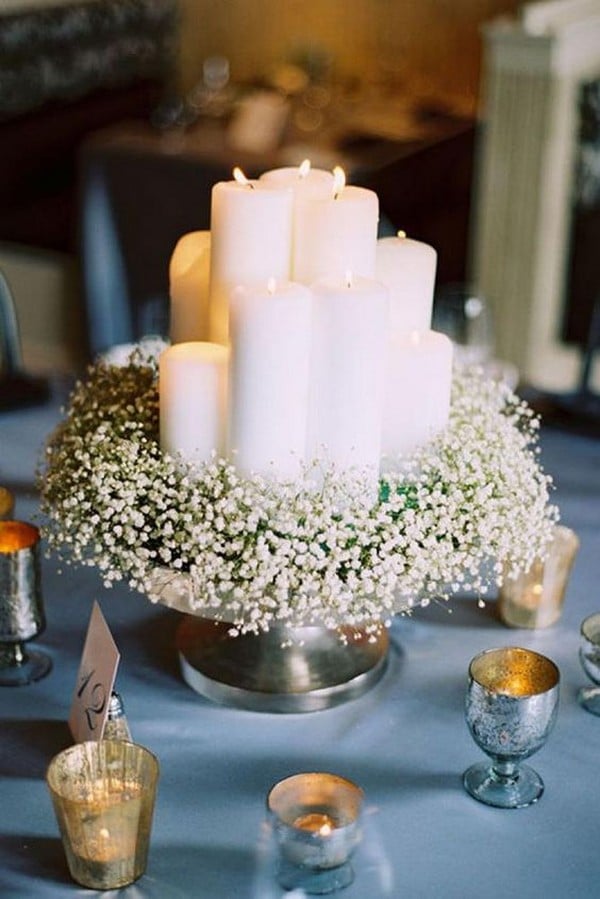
column 257, row 672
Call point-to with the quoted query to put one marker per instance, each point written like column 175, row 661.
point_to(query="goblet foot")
column 315, row 882
column 522, row 787
column 19, row 668
column 589, row 699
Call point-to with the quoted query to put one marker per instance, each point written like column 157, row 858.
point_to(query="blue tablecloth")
column 405, row 743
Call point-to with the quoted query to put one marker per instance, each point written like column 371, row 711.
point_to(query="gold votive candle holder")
column 316, row 823
column 535, row 598
column 103, row 795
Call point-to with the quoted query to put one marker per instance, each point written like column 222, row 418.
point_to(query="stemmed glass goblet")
column 21, row 609
column 589, row 655
column 511, row 706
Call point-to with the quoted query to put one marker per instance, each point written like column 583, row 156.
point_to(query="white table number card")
column 95, row 680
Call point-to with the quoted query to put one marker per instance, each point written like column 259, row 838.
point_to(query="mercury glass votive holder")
column 316, row 823
column 103, row 795
column 535, row 598
column 589, row 656
column 21, row 610
column 510, row 709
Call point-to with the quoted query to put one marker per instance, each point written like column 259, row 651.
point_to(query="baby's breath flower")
column 462, row 513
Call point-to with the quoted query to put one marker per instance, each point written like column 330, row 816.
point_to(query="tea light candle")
column 193, row 397
column 103, row 795
column 350, row 326
column 189, row 272
column 407, row 268
column 336, row 233
column 316, row 823
column 251, row 228
column 417, row 399
column 535, row 598
column 269, row 378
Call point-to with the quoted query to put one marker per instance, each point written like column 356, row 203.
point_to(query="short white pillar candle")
column 407, row 268
column 188, row 287
column 192, row 397
column 418, row 384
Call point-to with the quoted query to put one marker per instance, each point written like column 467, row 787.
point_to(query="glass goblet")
column 511, row 706
column 589, row 655
column 21, row 610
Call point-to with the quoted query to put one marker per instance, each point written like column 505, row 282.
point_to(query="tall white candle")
column 418, row 383
column 192, row 397
column 188, row 287
column 269, row 378
column 407, row 267
column 251, row 225
column 335, row 234
column 351, row 317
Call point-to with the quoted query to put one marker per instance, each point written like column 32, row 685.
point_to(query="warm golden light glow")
column 16, row 535
column 401, row 235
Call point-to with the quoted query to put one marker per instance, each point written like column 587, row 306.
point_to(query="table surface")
column 405, row 743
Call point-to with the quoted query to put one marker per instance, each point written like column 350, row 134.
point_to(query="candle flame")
column 304, row 168
column 401, row 235
column 349, row 280
column 325, row 830
column 241, row 178
column 339, row 181
column 271, row 285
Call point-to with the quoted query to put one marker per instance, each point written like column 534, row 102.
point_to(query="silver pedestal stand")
column 263, row 674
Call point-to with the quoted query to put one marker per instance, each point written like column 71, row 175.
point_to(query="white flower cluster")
column 468, row 509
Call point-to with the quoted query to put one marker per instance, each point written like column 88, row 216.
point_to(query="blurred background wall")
column 431, row 47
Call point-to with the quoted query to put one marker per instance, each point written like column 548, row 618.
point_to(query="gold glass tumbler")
column 103, row 796
column 535, row 598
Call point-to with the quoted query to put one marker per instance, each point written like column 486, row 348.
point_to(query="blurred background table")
column 405, row 743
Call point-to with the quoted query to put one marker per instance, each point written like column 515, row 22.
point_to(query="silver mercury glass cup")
column 511, row 706
column 21, row 609
column 589, row 655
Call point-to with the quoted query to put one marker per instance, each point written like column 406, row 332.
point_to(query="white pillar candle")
column 188, row 287
column 418, row 383
column 350, row 327
column 193, row 396
column 269, row 378
column 304, row 181
column 251, row 226
column 335, row 234
column 407, row 267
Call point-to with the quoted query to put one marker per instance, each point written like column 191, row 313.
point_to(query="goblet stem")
column 505, row 772
column 18, row 667
column 12, row 655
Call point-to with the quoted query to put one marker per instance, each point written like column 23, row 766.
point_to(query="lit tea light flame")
column 325, row 830
column 401, row 235
column 304, row 168
column 349, row 279
column 339, row 181
column 271, row 285
column 241, row 178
